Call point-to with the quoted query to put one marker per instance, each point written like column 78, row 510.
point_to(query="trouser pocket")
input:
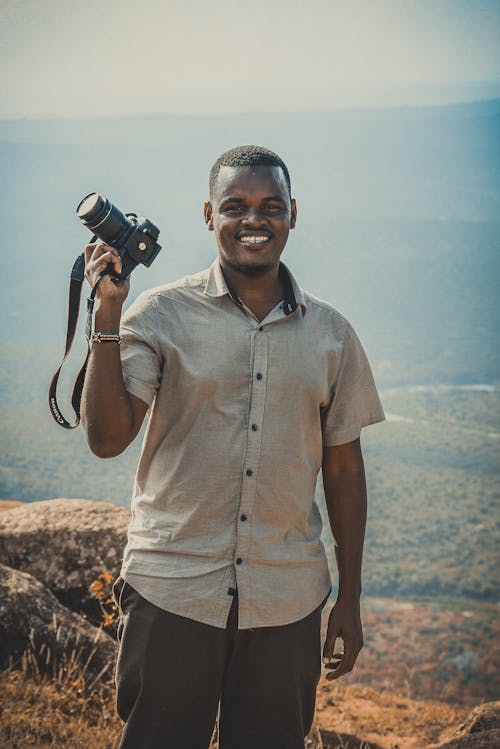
column 117, row 591
column 325, row 600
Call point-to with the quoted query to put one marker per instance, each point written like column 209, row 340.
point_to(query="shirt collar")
column 217, row 286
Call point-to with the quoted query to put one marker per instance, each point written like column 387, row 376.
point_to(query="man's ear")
column 209, row 214
column 293, row 213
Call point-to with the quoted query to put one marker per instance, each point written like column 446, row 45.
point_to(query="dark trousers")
column 172, row 673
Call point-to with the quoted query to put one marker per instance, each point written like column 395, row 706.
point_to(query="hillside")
column 449, row 652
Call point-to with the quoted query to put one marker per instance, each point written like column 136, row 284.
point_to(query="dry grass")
column 47, row 713
column 51, row 699
column 63, row 713
column 384, row 717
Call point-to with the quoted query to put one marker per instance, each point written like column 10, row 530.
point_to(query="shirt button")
column 254, row 427
column 243, row 518
column 259, row 376
column 239, row 560
column 261, row 328
column 249, row 472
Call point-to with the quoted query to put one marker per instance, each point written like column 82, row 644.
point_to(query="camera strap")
column 74, row 296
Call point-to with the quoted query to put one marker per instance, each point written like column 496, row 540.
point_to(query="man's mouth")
column 253, row 238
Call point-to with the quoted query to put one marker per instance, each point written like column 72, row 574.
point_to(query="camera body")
column 135, row 238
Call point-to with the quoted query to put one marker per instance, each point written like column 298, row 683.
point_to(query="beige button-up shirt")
column 239, row 412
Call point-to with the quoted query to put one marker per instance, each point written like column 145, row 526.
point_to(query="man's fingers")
column 107, row 257
column 345, row 666
column 100, row 263
column 334, row 660
column 344, row 662
column 98, row 258
column 89, row 250
column 329, row 645
column 94, row 250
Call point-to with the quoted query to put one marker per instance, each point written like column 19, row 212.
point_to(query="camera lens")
column 103, row 218
column 90, row 206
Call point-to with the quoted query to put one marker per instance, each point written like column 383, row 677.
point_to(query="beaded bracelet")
column 106, row 338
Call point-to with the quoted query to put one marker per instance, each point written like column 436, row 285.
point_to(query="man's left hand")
column 344, row 622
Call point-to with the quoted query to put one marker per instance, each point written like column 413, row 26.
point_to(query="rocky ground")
column 57, row 663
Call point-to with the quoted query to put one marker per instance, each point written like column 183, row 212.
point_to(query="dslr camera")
column 134, row 238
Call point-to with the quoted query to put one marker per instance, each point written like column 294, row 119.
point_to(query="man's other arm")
column 345, row 493
column 111, row 416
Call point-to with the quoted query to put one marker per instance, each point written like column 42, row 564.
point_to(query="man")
column 252, row 385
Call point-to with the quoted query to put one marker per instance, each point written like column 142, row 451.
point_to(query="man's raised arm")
column 111, row 416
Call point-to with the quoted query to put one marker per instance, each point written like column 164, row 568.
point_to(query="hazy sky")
column 70, row 57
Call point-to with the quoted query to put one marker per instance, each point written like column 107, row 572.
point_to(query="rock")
column 484, row 717
column 480, row 730
column 33, row 620
column 66, row 544
column 483, row 740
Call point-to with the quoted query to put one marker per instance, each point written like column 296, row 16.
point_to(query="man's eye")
column 274, row 208
column 232, row 209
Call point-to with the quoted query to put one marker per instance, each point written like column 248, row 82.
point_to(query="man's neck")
column 260, row 294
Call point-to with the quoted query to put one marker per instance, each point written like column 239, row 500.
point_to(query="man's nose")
column 252, row 217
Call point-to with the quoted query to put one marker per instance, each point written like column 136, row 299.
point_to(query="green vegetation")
column 433, row 485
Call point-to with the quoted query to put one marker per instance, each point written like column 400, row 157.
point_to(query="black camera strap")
column 137, row 243
column 75, row 292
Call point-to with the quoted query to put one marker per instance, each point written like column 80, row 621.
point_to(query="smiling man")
column 252, row 386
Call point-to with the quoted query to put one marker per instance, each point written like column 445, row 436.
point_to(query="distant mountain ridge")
column 125, row 128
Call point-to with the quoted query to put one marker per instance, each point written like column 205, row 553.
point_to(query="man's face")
column 251, row 213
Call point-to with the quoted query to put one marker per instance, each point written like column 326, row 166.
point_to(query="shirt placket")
column 259, row 371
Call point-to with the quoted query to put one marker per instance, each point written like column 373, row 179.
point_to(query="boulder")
column 480, row 730
column 52, row 638
column 65, row 544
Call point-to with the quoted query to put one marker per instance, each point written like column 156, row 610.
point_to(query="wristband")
column 106, row 338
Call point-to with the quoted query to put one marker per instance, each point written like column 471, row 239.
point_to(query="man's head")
column 250, row 208
column 248, row 156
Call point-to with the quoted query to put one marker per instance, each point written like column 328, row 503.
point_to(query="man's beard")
column 253, row 271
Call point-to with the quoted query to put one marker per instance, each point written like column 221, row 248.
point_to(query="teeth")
column 251, row 239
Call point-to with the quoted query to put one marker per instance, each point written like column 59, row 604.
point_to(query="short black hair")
column 248, row 156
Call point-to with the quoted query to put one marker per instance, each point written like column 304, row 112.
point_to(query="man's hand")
column 97, row 258
column 344, row 622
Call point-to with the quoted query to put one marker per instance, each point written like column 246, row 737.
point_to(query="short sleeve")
column 355, row 402
column 140, row 356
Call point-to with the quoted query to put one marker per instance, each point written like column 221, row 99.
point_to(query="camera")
column 134, row 238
